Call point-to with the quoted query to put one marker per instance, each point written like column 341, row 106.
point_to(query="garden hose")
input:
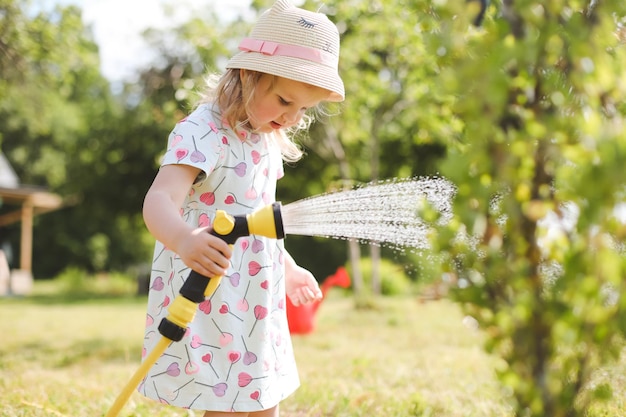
column 267, row 222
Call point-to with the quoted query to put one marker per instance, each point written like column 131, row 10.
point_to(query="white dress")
column 236, row 354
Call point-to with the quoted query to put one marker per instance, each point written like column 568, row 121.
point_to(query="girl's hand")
column 199, row 250
column 301, row 286
column 206, row 254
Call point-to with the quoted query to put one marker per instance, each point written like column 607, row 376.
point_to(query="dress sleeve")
column 195, row 141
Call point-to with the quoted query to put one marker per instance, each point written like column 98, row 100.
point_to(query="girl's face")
column 280, row 103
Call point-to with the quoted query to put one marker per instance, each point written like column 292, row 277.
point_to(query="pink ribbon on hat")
column 281, row 49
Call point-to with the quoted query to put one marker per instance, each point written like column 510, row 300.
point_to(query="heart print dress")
column 236, row 354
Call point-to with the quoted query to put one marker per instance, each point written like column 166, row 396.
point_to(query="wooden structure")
column 21, row 204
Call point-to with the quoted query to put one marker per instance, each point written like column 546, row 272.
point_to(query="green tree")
column 49, row 66
column 52, row 99
column 541, row 96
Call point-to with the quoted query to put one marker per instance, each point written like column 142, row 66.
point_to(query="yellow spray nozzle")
column 267, row 222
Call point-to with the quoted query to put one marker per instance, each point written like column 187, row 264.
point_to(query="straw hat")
column 293, row 43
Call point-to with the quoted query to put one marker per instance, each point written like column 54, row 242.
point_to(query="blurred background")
column 89, row 91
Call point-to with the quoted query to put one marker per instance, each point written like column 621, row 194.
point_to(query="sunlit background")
column 117, row 26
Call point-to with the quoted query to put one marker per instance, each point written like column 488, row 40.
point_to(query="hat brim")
column 294, row 69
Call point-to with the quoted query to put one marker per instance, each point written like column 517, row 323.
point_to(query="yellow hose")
column 181, row 312
column 138, row 376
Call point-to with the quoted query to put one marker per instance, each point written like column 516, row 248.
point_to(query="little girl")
column 236, row 355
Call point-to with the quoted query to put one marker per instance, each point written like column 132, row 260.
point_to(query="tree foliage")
column 53, row 102
column 536, row 239
column 49, row 66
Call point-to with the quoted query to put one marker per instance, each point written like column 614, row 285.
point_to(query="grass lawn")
column 62, row 357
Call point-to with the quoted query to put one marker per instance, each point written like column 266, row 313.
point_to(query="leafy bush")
column 541, row 96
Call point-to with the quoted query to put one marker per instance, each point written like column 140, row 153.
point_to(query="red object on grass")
column 301, row 319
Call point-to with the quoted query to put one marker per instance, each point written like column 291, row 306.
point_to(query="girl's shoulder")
column 204, row 115
column 203, row 122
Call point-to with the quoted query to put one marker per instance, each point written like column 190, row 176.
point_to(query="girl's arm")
column 300, row 284
column 199, row 250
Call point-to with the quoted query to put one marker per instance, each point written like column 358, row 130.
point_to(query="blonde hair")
column 232, row 95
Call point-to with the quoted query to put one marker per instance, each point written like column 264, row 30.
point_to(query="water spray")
column 384, row 213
